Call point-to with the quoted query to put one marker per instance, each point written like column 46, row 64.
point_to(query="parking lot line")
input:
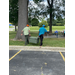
column 15, row 55
column 62, row 56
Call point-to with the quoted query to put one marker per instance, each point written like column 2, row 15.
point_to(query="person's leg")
column 41, row 40
column 57, row 35
column 25, row 39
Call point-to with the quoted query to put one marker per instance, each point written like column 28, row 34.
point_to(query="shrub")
column 34, row 22
column 43, row 22
column 58, row 24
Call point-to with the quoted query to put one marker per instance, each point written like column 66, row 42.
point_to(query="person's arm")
column 29, row 32
column 45, row 31
column 38, row 32
column 22, row 32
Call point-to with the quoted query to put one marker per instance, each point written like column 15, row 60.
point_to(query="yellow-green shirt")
column 26, row 30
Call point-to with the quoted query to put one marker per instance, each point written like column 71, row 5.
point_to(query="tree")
column 50, row 3
column 43, row 22
column 23, row 13
column 56, row 22
column 34, row 22
column 54, row 10
column 13, row 12
column 34, row 10
column 22, row 17
column 29, row 20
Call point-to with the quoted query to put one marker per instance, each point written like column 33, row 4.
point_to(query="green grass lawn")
column 36, row 28
column 59, row 28
column 11, row 27
column 52, row 42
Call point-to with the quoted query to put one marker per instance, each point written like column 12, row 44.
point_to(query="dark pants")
column 26, row 39
column 41, row 40
column 57, row 35
column 64, row 34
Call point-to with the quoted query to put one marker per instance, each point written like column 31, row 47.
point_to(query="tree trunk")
column 22, row 18
column 50, row 8
column 27, row 14
column 50, row 27
column 15, row 27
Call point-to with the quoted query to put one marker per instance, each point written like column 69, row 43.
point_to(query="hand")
column 21, row 34
column 29, row 34
column 38, row 36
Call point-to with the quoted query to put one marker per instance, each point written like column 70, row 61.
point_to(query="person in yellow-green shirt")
column 26, row 32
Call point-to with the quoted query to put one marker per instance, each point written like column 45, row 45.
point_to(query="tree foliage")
column 43, row 22
column 35, row 12
column 36, row 1
column 55, row 8
column 13, row 11
column 34, row 22
column 57, row 22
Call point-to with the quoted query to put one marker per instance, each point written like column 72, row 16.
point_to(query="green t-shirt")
column 26, row 30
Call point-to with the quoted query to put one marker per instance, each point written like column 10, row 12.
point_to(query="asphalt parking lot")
column 36, row 62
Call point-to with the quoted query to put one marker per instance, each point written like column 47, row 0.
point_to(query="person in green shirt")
column 26, row 32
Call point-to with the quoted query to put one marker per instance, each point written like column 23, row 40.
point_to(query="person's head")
column 43, row 25
column 27, row 25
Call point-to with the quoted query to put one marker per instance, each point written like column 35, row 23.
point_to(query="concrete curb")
column 37, row 48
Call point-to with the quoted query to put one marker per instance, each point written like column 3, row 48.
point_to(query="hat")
column 27, row 25
column 43, row 25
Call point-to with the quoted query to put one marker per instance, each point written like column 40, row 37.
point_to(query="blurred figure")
column 42, row 30
column 26, row 31
column 56, row 33
column 64, row 32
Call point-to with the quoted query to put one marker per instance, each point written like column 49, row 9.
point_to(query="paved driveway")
column 36, row 63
